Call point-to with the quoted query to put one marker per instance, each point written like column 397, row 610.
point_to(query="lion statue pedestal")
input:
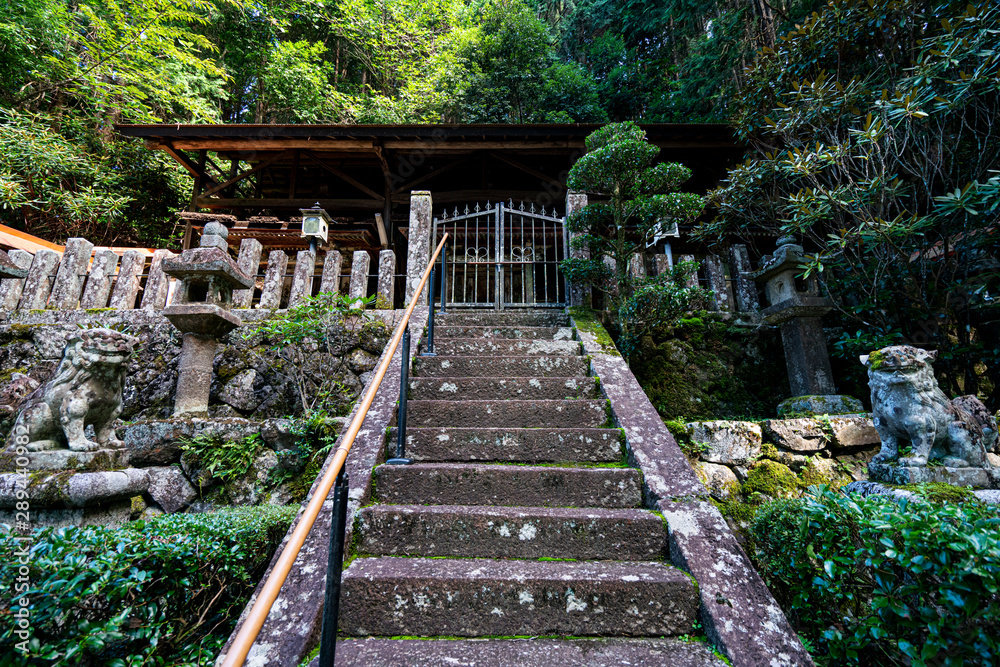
column 925, row 436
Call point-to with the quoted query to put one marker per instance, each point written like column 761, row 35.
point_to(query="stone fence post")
column 579, row 295
column 418, row 240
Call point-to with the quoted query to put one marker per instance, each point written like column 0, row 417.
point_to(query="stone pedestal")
column 977, row 478
column 59, row 498
column 194, row 375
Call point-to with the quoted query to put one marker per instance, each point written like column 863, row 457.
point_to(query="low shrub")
column 885, row 580
column 161, row 592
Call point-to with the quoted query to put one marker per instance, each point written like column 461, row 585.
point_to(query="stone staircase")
column 518, row 534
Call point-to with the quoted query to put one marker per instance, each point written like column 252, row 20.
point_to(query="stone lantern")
column 201, row 310
column 796, row 306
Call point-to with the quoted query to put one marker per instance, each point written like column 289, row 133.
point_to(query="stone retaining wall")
column 835, row 447
column 248, row 379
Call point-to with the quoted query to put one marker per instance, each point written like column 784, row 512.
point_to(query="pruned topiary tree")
column 639, row 199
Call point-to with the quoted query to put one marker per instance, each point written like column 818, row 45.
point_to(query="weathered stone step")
column 520, row 332
column 585, row 412
column 511, row 532
column 486, row 318
column 651, row 652
column 471, row 597
column 496, row 367
column 470, row 388
column 521, row 445
column 504, row 347
column 508, row 485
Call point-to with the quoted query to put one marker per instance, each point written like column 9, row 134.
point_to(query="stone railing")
column 82, row 278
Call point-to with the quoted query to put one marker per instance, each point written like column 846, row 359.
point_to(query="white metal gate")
column 502, row 256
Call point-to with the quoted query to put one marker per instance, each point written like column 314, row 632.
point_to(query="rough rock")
column 718, row 479
column 169, row 488
column 832, row 404
column 158, row 442
column 249, row 489
column 195, row 471
column 360, row 361
column 240, row 392
column 727, row 442
column 977, row 478
column 853, row 431
column 798, row 435
column 278, row 434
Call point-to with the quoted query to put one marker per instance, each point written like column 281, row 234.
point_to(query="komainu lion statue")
column 909, row 408
column 86, row 390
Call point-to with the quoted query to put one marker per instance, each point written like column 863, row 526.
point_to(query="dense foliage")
column 161, row 592
column 885, row 580
column 875, row 136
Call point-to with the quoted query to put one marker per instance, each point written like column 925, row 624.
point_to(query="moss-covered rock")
column 771, row 479
column 705, row 368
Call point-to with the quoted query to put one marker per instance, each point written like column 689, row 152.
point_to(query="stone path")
column 517, row 536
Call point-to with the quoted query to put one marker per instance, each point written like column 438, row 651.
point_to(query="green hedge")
column 885, row 580
column 161, row 592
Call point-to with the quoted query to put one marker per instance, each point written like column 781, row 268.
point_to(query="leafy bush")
column 885, row 580
column 657, row 303
column 160, row 592
column 224, row 459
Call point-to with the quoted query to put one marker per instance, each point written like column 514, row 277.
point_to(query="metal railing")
column 272, row 586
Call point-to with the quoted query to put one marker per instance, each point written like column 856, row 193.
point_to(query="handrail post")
column 334, row 567
column 429, row 350
column 404, row 381
column 444, row 277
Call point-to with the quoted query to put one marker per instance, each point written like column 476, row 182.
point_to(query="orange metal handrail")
column 269, row 593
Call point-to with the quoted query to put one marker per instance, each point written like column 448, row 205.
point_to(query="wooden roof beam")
column 249, row 172
column 344, row 177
